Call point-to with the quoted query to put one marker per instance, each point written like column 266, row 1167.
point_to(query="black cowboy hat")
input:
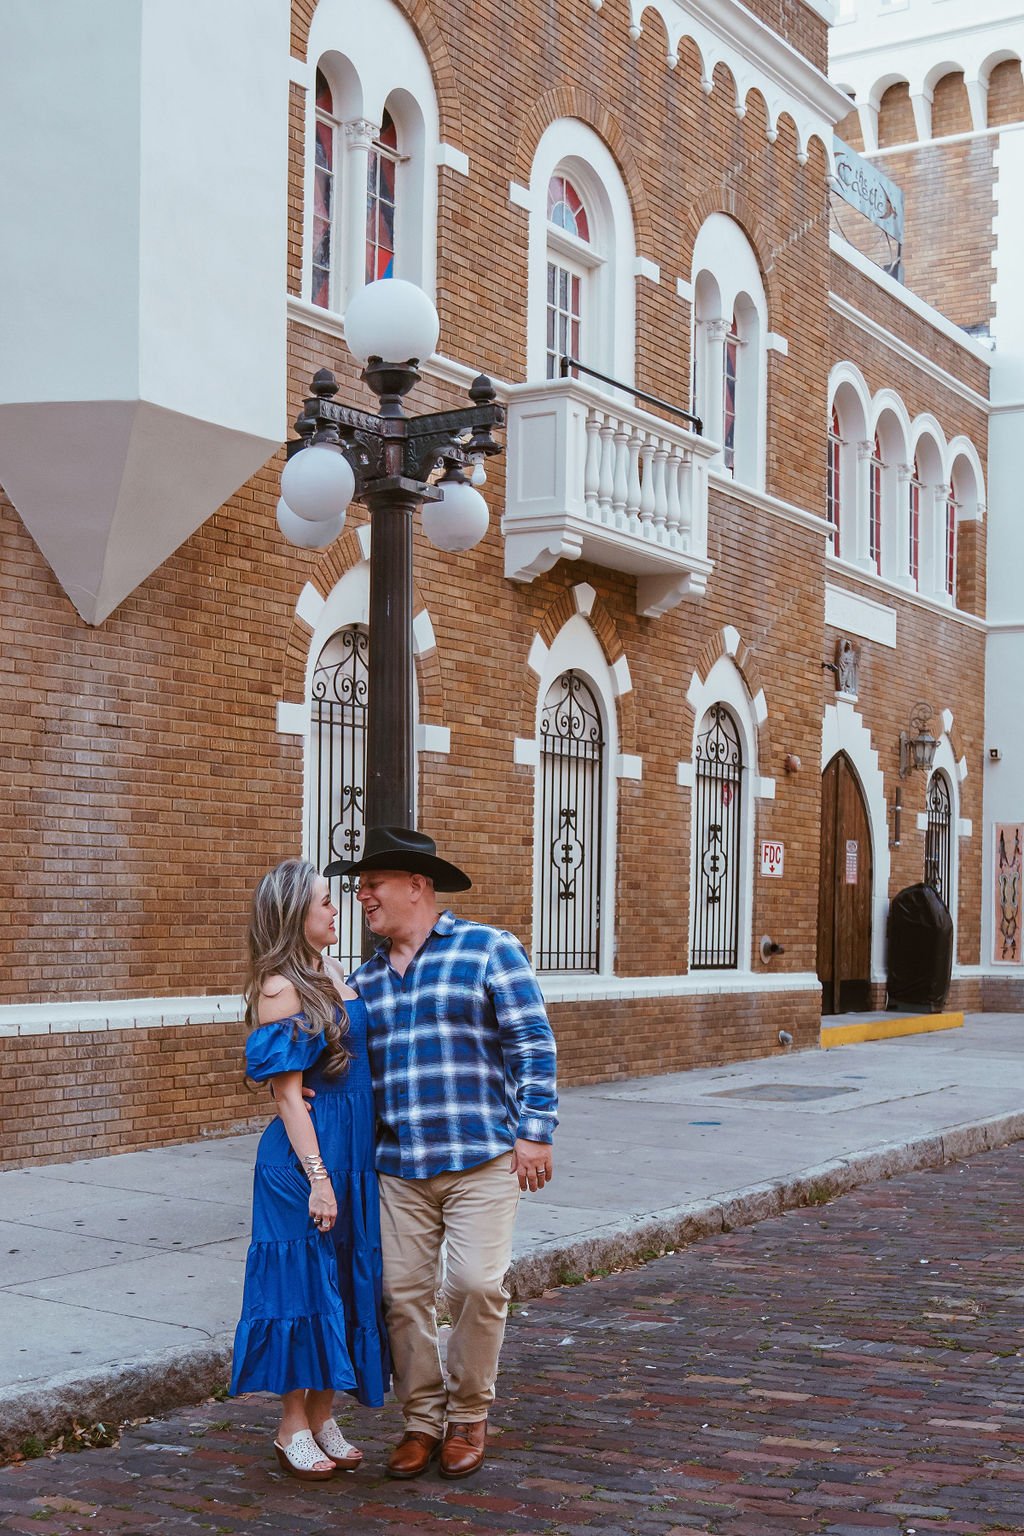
column 400, row 848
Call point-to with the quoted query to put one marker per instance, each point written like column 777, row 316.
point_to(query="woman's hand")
column 323, row 1208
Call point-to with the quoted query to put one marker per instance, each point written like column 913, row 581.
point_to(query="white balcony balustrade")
column 593, row 479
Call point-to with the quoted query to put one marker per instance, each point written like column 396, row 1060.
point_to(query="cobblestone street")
column 852, row 1369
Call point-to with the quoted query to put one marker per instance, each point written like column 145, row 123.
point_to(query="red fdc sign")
column 772, row 859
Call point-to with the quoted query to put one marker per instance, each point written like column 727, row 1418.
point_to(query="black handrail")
column 566, row 363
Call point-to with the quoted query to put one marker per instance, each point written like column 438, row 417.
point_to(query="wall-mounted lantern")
column 917, row 746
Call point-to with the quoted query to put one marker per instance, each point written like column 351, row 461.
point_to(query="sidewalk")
column 121, row 1276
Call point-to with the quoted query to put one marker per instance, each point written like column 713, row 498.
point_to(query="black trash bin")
column 920, row 961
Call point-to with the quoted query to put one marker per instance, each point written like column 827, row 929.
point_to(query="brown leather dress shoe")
column 463, row 1451
column 413, row 1453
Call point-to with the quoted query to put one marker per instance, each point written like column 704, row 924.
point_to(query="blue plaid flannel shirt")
column 461, row 1051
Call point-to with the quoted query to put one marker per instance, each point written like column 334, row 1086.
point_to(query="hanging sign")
column 861, row 184
column 851, row 861
column 772, row 859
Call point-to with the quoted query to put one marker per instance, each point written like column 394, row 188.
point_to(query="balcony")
column 592, row 479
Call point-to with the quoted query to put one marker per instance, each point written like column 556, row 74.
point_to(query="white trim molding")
column 567, row 989
column 765, row 503
column 453, row 159
column 861, row 616
column 433, row 738
column 907, row 595
column 757, row 57
column 901, row 348
column 17, row 1019
column 848, row 253
column 292, row 718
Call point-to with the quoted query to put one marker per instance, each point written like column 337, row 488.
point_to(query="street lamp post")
column 393, row 463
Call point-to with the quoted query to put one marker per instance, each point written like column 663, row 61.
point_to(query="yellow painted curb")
column 888, row 1029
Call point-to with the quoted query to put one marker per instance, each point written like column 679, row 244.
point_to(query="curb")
column 648, row 1237
column 174, row 1378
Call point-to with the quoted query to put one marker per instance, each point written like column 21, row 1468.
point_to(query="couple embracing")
column 414, row 1102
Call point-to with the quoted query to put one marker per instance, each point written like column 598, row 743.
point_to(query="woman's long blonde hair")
column 278, row 947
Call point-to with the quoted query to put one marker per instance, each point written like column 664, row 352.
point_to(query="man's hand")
column 308, row 1095
column 531, row 1161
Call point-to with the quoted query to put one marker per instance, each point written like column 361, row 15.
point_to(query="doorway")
column 845, row 892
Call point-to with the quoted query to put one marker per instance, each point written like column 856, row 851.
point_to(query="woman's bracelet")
column 314, row 1167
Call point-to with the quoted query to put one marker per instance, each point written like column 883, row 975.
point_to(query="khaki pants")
column 474, row 1211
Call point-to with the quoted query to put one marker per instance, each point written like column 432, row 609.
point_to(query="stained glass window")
column 875, row 506
column 380, row 203
column 730, row 371
column 833, row 485
column 324, row 190
column 566, row 209
column 914, row 527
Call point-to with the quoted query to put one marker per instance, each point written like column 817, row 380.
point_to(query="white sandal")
column 333, row 1444
column 300, row 1457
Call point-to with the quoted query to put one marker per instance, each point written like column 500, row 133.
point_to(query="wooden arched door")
column 844, row 895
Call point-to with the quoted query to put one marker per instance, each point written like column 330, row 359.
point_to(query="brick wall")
column 896, row 116
column 949, row 186
column 1005, row 94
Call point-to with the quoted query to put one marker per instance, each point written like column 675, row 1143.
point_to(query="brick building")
column 940, row 109
column 670, row 649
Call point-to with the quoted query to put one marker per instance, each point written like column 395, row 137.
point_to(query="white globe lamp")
column 305, row 534
column 393, row 320
column 317, row 483
column 457, row 522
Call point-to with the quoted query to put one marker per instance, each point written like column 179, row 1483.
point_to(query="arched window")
column 380, row 202
column 337, row 770
column 846, row 480
column 914, row 490
column 730, row 329
column 567, row 274
column 876, row 468
column 717, row 833
column 570, row 825
column 833, row 480
column 581, row 262
column 372, row 153
column 938, row 842
column 324, row 192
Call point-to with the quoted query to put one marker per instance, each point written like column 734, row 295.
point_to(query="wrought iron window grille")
column 717, row 822
column 938, row 842
column 571, row 846
column 337, row 772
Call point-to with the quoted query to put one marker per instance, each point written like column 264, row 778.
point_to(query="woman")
column 311, row 1313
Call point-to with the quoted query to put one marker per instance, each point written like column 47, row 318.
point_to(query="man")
column 463, row 1063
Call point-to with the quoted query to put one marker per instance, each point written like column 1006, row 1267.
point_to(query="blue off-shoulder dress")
column 311, row 1310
